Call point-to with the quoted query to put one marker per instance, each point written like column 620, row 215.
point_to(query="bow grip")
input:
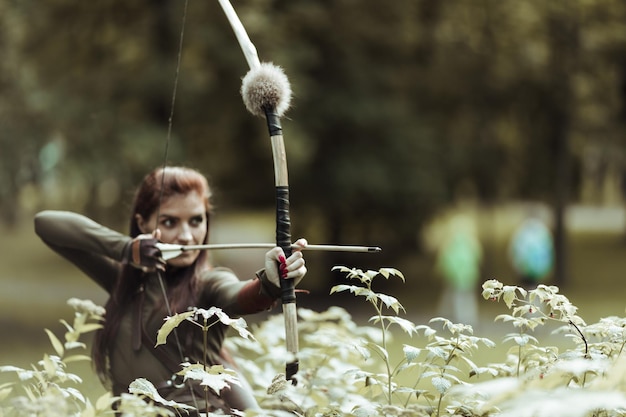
column 283, row 239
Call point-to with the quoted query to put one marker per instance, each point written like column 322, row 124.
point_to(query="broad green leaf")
column 10, row 368
column 509, row 298
column 170, row 324
column 487, row 342
column 5, row 392
column 483, row 370
column 341, row 269
column 56, row 343
column 523, row 310
column 67, row 326
column 363, row 351
column 437, row 352
column 360, row 291
column 406, row 325
column 521, row 340
column 362, row 411
column 77, row 358
column 354, row 289
column 445, row 322
column 410, row 352
column 22, row 374
column 49, row 366
column 341, row 288
column 76, row 394
column 74, row 378
column 442, row 385
column 387, row 272
column 239, row 324
column 142, row 386
column 216, row 377
column 390, row 302
column 88, row 327
column 487, row 294
column 504, row 317
column 378, row 349
column 104, row 401
column 428, row 331
column 75, row 345
column 207, row 313
column 368, row 276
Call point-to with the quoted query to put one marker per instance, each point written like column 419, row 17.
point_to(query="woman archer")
column 172, row 205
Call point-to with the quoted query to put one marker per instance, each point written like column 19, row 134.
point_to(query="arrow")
column 170, row 251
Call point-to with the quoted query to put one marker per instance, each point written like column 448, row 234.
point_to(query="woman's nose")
column 184, row 234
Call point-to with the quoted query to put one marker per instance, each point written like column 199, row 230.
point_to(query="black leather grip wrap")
column 273, row 122
column 283, row 239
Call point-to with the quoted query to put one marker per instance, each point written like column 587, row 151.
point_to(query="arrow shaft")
column 328, row 248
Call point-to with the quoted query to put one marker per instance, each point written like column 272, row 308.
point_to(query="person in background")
column 459, row 261
column 171, row 205
column 531, row 251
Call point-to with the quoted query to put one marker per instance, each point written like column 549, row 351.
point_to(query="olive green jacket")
column 98, row 252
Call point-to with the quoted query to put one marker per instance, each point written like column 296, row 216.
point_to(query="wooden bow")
column 283, row 225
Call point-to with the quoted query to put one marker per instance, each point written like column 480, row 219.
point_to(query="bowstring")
column 170, row 123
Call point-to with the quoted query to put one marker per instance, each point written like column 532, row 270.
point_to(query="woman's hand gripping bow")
column 276, row 265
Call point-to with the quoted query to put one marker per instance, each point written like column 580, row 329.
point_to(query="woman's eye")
column 168, row 222
column 197, row 221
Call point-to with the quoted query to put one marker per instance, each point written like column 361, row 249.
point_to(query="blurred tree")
column 22, row 124
column 399, row 106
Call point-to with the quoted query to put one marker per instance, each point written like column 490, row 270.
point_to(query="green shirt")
column 98, row 252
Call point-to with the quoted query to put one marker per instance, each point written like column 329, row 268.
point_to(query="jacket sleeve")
column 93, row 248
column 221, row 288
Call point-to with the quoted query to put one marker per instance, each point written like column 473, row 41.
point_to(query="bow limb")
column 247, row 47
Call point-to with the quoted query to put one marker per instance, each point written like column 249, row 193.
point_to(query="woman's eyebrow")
column 173, row 217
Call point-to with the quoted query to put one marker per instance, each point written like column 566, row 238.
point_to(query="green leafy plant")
column 350, row 370
column 438, row 377
column 49, row 389
column 363, row 370
column 214, row 377
column 586, row 381
column 530, row 309
column 436, row 362
column 380, row 302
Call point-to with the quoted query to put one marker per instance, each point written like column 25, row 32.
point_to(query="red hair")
column 158, row 185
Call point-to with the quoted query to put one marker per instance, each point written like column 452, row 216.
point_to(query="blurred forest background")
column 403, row 112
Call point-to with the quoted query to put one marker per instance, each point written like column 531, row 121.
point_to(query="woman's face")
column 182, row 221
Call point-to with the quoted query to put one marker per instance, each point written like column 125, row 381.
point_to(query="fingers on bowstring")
column 300, row 244
column 160, row 263
column 155, row 257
